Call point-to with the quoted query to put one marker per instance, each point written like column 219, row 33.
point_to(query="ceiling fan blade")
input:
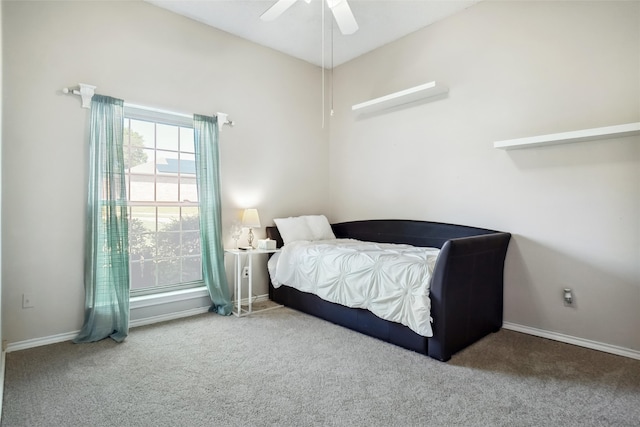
column 277, row 9
column 343, row 16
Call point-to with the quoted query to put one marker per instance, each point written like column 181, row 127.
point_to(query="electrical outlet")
column 27, row 301
column 567, row 296
column 245, row 272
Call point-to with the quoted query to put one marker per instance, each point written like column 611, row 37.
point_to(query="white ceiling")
column 297, row 32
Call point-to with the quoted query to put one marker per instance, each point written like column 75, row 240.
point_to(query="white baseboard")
column 255, row 299
column 581, row 342
column 37, row 342
column 166, row 317
column 3, row 359
column 68, row 336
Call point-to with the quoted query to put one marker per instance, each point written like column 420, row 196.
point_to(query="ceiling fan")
column 340, row 9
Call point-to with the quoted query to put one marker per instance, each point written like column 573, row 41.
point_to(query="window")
column 164, row 227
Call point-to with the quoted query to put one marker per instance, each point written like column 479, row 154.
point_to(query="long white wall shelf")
column 424, row 91
column 617, row 131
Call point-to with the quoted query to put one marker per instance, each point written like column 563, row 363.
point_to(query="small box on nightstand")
column 266, row 244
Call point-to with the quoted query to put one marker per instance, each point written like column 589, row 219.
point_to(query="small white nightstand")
column 249, row 253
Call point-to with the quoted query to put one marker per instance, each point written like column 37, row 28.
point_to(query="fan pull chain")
column 331, row 74
column 322, row 33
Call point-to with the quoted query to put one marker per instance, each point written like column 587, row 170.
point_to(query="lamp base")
column 250, row 237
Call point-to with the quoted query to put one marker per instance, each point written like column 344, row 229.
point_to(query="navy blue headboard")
column 410, row 232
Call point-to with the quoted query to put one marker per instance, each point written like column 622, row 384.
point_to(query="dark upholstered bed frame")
column 466, row 287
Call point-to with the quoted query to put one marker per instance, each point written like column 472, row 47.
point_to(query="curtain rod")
column 86, row 92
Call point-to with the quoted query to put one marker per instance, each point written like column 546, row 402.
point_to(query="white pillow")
column 306, row 227
column 293, row 229
column 320, row 227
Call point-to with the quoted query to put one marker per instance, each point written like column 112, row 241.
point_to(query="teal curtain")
column 106, row 241
column 208, row 181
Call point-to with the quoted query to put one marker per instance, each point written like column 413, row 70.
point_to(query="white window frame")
column 158, row 116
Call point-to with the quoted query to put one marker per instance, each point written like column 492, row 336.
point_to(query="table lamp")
column 250, row 219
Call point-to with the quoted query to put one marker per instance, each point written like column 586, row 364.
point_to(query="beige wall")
column 275, row 158
column 1, row 333
column 515, row 69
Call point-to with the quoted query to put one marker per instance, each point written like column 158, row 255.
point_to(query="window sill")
column 167, row 297
column 161, row 307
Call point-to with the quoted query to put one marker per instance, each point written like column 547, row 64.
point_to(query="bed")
column 465, row 290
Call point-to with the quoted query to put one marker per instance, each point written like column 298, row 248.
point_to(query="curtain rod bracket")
column 223, row 119
column 85, row 91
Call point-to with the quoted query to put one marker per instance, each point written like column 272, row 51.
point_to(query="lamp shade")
column 250, row 218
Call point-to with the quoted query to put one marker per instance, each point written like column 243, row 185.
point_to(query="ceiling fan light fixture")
column 277, row 9
column 343, row 16
column 340, row 9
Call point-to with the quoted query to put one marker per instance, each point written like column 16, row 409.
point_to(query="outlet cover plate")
column 27, row 301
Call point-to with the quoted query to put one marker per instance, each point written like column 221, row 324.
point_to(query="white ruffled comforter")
column 390, row 280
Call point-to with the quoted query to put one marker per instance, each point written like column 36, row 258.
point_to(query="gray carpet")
column 284, row 368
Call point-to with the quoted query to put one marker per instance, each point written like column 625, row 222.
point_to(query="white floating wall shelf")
column 417, row 93
column 606, row 132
